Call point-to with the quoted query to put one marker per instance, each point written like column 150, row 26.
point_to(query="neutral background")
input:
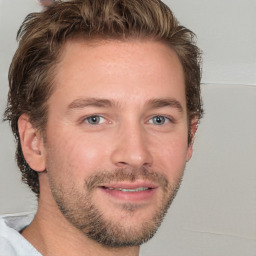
column 214, row 213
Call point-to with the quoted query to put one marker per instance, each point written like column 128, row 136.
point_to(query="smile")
column 128, row 192
column 129, row 189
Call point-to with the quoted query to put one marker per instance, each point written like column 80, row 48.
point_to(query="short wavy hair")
column 42, row 35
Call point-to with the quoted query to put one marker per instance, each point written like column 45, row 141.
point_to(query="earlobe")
column 31, row 144
column 193, row 129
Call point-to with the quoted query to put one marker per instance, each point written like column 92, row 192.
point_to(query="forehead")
column 133, row 69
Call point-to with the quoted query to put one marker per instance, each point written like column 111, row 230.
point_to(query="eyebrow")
column 165, row 102
column 103, row 103
column 90, row 102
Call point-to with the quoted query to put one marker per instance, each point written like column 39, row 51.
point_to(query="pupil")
column 159, row 119
column 94, row 119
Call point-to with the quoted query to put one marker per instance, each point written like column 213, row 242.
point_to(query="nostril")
column 131, row 153
column 121, row 164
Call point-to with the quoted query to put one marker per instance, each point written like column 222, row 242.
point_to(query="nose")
column 131, row 148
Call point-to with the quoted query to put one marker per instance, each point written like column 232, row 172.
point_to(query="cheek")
column 76, row 154
column 170, row 156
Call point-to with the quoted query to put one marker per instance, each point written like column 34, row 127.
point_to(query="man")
column 104, row 103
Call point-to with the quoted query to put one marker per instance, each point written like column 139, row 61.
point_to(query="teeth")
column 129, row 189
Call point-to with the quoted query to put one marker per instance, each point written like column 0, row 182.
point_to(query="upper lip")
column 131, row 185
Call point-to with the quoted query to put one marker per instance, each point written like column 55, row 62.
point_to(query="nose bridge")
column 131, row 148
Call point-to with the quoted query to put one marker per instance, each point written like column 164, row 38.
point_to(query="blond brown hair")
column 42, row 35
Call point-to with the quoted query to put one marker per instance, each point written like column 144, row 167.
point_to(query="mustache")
column 126, row 174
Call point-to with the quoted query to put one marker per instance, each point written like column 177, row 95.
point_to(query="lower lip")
column 130, row 196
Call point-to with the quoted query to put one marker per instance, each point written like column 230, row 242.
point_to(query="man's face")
column 116, row 138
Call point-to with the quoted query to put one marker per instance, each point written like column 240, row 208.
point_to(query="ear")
column 193, row 129
column 31, row 143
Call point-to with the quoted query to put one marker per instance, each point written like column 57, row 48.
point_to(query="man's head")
column 107, row 96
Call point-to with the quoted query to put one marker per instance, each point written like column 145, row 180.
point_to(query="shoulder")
column 12, row 243
column 6, row 247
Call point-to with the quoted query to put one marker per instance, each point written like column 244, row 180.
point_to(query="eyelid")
column 98, row 116
column 84, row 119
column 167, row 119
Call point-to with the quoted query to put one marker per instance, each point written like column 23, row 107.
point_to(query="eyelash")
column 151, row 120
column 166, row 120
column 93, row 116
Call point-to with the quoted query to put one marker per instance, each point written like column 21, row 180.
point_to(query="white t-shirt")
column 12, row 243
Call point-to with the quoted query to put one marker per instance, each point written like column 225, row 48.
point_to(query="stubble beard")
column 82, row 213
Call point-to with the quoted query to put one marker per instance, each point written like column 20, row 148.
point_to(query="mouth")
column 128, row 190
column 133, row 192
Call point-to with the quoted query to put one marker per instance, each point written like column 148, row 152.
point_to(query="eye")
column 94, row 120
column 159, row 120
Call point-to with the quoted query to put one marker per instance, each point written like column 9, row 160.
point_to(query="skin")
column 130, row 75
column 46, row 3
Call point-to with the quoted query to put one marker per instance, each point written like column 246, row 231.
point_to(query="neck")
column 51, row 234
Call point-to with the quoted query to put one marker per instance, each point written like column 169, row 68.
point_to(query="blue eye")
column 94, row 120
column 159, row 120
